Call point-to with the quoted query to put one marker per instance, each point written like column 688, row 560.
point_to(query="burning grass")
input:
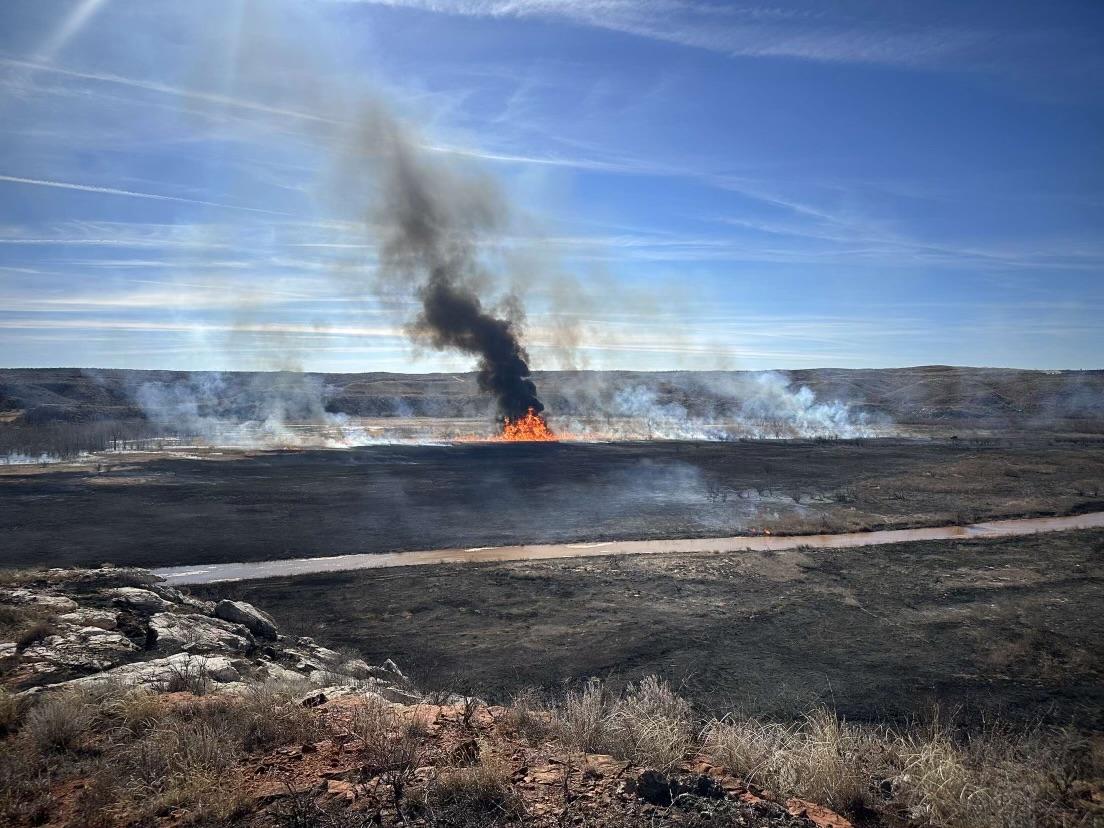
column 530, row 428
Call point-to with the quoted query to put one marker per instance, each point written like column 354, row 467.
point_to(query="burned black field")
column 268, row 505
column 1008, row 627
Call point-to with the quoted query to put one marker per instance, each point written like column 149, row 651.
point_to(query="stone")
column 141, row 600
column 85, row 617
column 169, row 593
column 393, row 669
column 78, row 650
column 316, row 699
column 357, row 667
column 24, row 597
column 162, row 671
column 317, row 659
column 8, row 650
column 394, row 694
column 258, row 622
column 601, row 765
column 199, row 634
column 276, row 672
column 820, row 816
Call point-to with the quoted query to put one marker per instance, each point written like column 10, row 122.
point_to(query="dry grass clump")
column 11, row 712
column 821, row 758
column 134, row 710
column 17, row 621
column 648, row 723
column 147, row 756
column 182, row 766
column 268, row 715
column 529, row 717
column 995, row 778
column 35, row 633
column 24, row 788
column 14, row 578
column 476, row 795
column 60, row 723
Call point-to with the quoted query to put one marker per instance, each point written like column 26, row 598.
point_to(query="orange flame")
column 531, row 427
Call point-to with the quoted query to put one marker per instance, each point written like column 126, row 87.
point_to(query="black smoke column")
column 452, row 318
column 432, row 218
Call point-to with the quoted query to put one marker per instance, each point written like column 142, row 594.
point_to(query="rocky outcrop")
column 182, row 671
column 42, row 600
column 104, row 619
column 76, row 650
column 257, row 622
column 175, row 632
column 141, row 600
column 124, row 626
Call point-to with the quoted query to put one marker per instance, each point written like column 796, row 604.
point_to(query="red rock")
column 817, row 814
column 341, row 788
column 545, row 776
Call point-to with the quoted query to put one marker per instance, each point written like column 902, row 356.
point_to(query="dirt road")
column 533, row 552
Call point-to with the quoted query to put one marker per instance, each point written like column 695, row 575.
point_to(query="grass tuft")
column 60, row 723
column 648, row 724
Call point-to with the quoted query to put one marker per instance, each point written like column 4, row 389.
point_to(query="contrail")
column 166, row 89
column 296, row 114
column 89, row 188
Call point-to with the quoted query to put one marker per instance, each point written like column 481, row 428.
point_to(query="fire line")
column 530, row 428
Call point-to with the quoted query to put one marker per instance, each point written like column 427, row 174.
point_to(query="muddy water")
column 305, row 566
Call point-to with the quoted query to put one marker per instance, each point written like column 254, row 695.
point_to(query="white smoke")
column 757, row 406
column 260, row 411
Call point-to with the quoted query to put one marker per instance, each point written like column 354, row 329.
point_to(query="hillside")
column 921, row 395
column 146, row 706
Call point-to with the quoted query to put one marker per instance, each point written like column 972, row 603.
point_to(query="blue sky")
column 694, row 184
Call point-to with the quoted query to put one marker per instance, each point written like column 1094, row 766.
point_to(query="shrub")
column 269, row 716
column 529, row 717
column 36, row 632
column 60, row 723
column 301, row 811
column 11, row 711
column 389, row 742
column 480, row 794
column 186, row 677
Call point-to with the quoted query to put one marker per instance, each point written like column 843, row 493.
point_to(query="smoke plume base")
column 296, row 410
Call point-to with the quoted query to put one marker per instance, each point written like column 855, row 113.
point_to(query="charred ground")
column 1001, row 626
column 393, row 498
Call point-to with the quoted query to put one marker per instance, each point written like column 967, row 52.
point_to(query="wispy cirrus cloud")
column 803, row 32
